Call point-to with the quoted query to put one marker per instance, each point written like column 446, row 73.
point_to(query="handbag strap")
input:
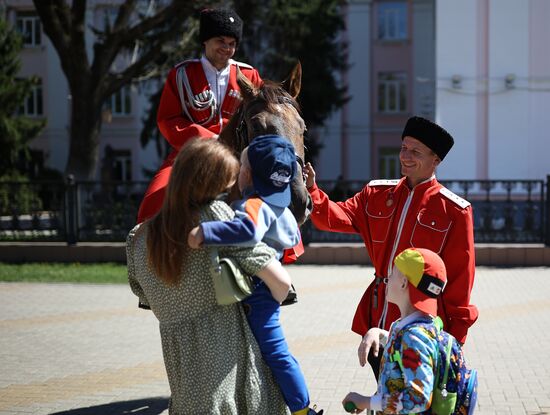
column 214, row 259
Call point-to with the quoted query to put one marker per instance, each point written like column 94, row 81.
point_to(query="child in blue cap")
column 268, row 165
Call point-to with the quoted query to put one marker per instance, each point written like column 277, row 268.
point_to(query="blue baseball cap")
column 273, row 163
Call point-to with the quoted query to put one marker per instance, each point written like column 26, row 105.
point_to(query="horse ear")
column 293, row 83
column 248, row 90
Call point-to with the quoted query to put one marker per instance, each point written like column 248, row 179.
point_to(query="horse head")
column 273, row 109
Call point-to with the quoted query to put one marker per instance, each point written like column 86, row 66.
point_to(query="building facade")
column 391, row 76
column 480, row 68
column 493, row 87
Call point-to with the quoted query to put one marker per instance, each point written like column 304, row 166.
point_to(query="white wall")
column 515, row 119
column 423, row 37
column 456, row 38
column 538, row 147
column 329, row 164
column 359, row 107
column 508, row 109
column 57, row 106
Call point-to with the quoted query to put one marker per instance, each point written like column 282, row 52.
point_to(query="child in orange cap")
column 417, row 280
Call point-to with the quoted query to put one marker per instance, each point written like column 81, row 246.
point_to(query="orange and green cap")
column 427, row 276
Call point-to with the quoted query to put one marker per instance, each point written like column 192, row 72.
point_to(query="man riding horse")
column 200, row 97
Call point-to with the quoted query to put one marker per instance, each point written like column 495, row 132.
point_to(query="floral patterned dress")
column 213, row 362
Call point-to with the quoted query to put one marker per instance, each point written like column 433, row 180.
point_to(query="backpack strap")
column 447, row 363
column 396, row 355
column 447, row 348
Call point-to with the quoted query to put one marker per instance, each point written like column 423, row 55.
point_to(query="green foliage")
column 15, row 131
column 20, row 198
column 110, row 273
column 280, row 32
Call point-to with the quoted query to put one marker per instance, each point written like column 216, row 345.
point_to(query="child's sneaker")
column 313, row 411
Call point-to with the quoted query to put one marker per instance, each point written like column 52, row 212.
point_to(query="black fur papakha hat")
column 220, row 22
column 430, row 134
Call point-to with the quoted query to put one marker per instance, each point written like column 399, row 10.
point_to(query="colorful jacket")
column 255, row 220
column 177, row 128
column 391, row 217
column 408, row 391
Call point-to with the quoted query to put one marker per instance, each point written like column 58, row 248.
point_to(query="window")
column 389, row 166
column 392, row 20
column 120, row 103
column 122, row 166
column 116, row 165
column 28, row 25
column 32, row 107
column 392, row 92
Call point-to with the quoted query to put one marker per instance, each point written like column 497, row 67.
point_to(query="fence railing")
column 505, row 211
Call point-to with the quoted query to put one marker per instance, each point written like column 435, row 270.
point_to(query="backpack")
column 455, row 386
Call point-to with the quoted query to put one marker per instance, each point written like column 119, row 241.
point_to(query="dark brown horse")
column 272, row 109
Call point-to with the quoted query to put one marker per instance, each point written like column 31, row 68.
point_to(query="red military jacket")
column 390, row 217
column 178, row 128
column 172, row 120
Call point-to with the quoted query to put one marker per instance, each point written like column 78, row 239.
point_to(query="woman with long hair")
column 212, row 360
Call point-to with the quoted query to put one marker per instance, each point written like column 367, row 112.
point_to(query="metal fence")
column 505, row 211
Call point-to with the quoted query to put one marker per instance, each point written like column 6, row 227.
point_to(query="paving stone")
column 87, row 347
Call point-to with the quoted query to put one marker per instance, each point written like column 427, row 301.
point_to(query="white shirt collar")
column 207, row 65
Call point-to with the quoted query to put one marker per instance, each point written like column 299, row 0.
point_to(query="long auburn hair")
column 202, row 170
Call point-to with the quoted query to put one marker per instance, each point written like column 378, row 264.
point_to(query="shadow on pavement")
column 149, row 406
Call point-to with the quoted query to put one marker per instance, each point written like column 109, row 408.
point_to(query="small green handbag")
column 231, row 284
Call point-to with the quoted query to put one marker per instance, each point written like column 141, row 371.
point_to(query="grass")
column 100, row 273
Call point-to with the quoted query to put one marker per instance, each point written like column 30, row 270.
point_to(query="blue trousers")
column 263, row 317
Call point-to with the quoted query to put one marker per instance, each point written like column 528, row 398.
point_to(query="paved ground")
column 86, row 349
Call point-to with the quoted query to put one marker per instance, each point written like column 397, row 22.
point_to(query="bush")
column 17, row 196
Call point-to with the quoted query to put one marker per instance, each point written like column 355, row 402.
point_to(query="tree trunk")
column 84, row 137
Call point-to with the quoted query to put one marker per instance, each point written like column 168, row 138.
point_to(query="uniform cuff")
column 376, row 402
column 313, row 188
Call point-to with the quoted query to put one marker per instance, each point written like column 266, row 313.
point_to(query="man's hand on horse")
column 195, row 237
column 309, row 175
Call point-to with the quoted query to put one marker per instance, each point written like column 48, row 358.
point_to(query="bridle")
column 241, row 133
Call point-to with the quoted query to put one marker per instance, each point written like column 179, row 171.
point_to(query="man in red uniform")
column 199, row 96
column 415, row 211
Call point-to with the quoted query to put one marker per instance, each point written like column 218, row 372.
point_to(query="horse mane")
column 273, row 93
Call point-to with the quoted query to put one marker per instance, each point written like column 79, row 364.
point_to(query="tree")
column 92, row 79
column 15, row 130
column 279, row 32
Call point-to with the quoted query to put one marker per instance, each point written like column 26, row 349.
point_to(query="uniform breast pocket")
column 379, row 220
column 430, row 231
